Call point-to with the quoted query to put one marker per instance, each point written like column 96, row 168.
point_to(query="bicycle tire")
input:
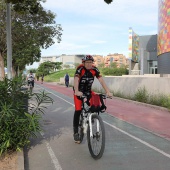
column 80, row 129
column 96, row 143
column 30, row 88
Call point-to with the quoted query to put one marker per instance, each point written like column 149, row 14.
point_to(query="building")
column 150, row 54
column 119, row 59
column 69, row 61
column 49, row 58
column 142, row 54
column 98, row 60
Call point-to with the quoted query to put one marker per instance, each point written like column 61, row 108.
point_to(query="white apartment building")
column 49, row 58
column 70, row 60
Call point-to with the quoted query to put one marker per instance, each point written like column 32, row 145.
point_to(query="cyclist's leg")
column 76, row 120
column 76, row 117
column 32, row 83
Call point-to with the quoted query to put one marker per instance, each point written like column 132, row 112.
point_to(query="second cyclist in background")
column 30, row 78
column 83, row 80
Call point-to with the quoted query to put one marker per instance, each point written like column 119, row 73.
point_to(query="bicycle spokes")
column 96, row 136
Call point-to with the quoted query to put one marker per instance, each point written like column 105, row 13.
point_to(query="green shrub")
column 141, row 95
column 16, row 124
column 114, row 71
column 160, row 100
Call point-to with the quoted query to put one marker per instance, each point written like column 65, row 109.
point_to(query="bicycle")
column 30, row 86
column 92, row 124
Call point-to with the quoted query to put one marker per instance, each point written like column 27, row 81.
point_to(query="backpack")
column 97, row 103
column 67, row 77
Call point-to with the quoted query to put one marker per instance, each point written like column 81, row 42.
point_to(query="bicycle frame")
column 88, row 120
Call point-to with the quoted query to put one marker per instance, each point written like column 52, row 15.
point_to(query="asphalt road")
column 128, row 147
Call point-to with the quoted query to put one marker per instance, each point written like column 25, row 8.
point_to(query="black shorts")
column 32, row 82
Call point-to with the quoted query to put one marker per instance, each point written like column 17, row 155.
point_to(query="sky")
column 96, row 28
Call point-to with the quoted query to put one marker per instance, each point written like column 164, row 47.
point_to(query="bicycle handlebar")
column 104, row 96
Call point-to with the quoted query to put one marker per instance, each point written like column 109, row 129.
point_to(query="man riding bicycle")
column 30, row 78
column 83, row 80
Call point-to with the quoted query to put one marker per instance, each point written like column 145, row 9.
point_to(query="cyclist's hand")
column 78, row 93
column 109, row 95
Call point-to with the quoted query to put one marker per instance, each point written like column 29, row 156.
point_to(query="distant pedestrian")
column 66, row 79
column 42, row 78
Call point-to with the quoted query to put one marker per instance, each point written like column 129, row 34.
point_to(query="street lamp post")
column 9, row 40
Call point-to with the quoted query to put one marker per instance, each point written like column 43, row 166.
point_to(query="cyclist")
column 30, row 78
column 83, row 80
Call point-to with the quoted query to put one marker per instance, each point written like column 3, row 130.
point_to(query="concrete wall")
column 129, row 85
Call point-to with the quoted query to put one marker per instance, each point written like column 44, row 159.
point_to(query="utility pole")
column 9, row 41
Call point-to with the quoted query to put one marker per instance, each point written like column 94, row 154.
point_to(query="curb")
column 20, row 161
column 144, row 104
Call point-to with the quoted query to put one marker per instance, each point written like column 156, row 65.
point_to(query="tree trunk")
column 2, row 71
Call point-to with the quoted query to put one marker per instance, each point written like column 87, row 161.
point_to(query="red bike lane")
column 149, row 117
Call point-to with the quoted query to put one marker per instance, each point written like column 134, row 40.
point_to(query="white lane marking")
column 126, row 133
column 139, row 140
column 56, row 95
column 52, row 155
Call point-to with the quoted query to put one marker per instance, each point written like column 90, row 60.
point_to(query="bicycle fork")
column 90, row 125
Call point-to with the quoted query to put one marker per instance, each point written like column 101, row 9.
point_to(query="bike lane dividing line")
column 124, row 132
column 52, row 155
column 139, row 140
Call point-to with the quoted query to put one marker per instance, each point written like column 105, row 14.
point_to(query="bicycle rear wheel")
column 80, row 128
column 96, row 142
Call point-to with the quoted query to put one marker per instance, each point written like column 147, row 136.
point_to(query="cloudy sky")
column 94, row 27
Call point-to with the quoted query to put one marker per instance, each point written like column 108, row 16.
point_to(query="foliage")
column 113, row 65
column 160, row 100
column 33, row 70
column 141, row 95
column 47, row 67
column 101, row 65
column 25, row 5
column 67, row 66
column 30, row 33
column 55, row 77
column 114, row 71
column 16, row 124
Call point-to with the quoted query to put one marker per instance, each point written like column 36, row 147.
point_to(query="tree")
column 30, row 33
column 25, row 5
column 57, row 65
column 108, row 1
column 47, row 67
column 67, row 66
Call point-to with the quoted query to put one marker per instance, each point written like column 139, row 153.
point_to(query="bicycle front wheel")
column 96, row 142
